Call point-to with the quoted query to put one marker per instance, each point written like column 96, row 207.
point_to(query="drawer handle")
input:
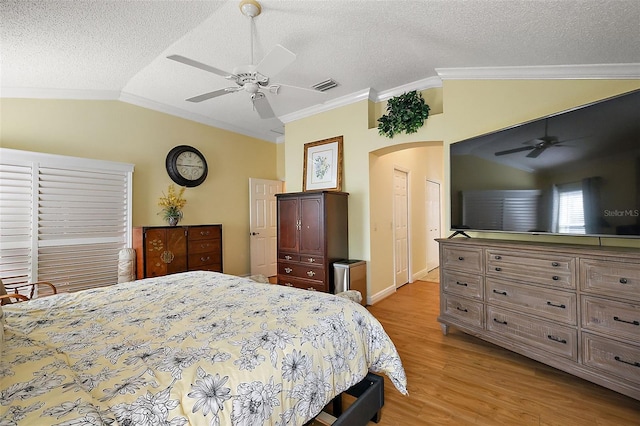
column 203, row 233
column 635, row 364
column 287, row 257
column 500, row 322
column 462, row 284
column 461, row 309
column 498, row 269
column 288, row 284
column 623, row 281
column 556, row 339
column 504, row 293
column 310, row 273
column 311, row 289
column 204, row 245
column 204, row 259
column 555, row 264
column 498, row 257
column 628, row 322
column 460, row 258
column 556, row 306
column 288, row 270
column 311, row 260
column 555, row 278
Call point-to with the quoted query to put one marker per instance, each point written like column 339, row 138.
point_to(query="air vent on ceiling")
column 325, row 85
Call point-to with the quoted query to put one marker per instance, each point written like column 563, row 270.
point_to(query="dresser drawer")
column 617, row 279
column 617, row 358
column 462, row 284
column 205, row 246
column 288, row 257
column 314, row 260
column 198, row 260
column 546, row 269
column 302, row 284
column 464, row 310
column 463, row 259
column 311, row 272
column 204, row 232
column 611, row 318
column 550, row 304
column 547, row 336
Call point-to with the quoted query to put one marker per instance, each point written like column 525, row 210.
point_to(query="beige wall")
column 422, row 162
column 469, row 108
column 116, row 131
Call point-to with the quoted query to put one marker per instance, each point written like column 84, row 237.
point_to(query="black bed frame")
column 369, row 395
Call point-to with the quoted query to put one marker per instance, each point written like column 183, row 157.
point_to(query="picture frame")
column 323, row 165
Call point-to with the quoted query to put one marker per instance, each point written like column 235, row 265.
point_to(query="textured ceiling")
column 117, row 49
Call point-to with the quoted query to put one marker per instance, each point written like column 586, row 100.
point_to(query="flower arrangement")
column 172, row 205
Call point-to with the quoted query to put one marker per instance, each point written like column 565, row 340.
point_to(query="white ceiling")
column 113, row 49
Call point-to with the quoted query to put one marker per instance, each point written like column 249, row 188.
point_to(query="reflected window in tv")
column 572, row 173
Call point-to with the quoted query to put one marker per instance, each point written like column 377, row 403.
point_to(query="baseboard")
column 381, row 295
column 419, row 275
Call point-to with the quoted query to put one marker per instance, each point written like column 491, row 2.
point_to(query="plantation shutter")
column 16, row 222
column 80, row 218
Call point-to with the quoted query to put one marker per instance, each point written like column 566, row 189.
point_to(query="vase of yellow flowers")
column 172, row 205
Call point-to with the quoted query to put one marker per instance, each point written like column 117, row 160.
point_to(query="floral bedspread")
column 197, row 348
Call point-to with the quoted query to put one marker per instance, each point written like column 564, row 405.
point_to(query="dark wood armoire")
column 313, row 233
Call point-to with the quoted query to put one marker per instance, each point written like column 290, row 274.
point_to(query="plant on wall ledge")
column 405, row 113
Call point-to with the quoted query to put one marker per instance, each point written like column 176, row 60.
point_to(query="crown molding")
column 424, row 84
column 43, row 93
column 167, row 109
column 544, row 72
column 326, row 106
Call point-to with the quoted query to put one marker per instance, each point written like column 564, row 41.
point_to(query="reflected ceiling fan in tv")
column 538, row 145
column 581, row 177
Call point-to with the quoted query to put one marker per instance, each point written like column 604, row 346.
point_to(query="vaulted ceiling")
column 118, row 49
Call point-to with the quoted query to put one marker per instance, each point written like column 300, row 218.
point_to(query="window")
column 570, row 209
column 62, row 219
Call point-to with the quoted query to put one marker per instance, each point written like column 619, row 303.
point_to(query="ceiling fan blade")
column 261, row 104
column 213, row 94
column 276, row 60
column 511, row 151
column 201, row 66
column 536, row 152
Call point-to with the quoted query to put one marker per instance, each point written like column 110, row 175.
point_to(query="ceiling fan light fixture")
column 250, row 8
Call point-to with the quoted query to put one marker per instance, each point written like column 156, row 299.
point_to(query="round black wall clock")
column 186, row 166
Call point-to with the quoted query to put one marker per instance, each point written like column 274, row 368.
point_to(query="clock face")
column 190, row 165
column 186, row 166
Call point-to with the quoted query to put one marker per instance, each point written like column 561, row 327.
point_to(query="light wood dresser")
column 576, row 308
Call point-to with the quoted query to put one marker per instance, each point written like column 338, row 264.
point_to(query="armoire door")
column 177, row 246
column 312, row 225
column 288, row 222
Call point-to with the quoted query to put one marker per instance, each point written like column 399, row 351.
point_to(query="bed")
column 196, row 348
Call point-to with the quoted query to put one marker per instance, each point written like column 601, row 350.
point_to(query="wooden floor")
column 461, row 380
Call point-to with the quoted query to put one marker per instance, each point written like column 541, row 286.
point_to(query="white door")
column 433, row 223
column 263, row 229
column 401, row 226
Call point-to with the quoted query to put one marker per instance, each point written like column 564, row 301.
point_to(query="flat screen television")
column 572, row 173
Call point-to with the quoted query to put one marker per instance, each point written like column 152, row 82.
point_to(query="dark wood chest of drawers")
column 162, row 250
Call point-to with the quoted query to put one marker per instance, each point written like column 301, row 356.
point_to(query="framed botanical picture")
column 323, row 165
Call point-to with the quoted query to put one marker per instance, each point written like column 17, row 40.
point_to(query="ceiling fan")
column 536, row 146
column 253, row 79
